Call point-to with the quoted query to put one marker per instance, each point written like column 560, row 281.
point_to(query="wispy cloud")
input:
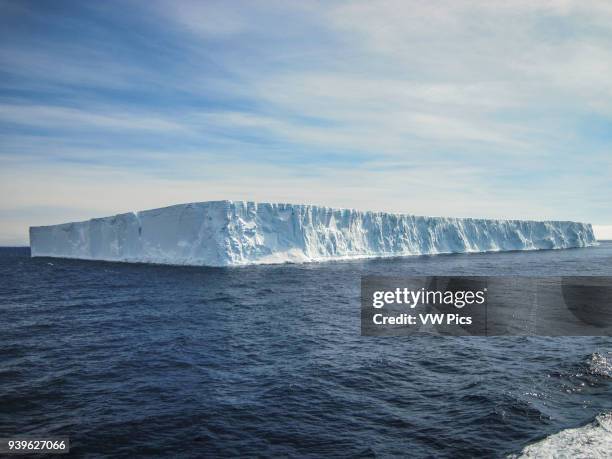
column 54, row 117
column 466, row 108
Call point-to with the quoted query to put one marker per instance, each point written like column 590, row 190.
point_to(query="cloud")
column 463, row 108
column 603, row 232
column 54, row 117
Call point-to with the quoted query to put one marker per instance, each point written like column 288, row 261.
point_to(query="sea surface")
column 133, row 360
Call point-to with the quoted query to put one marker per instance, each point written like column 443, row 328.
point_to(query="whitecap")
column 591, row 441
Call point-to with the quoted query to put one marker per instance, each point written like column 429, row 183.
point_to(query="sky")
column 496, row 109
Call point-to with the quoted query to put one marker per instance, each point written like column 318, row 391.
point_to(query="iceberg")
column 232, row 233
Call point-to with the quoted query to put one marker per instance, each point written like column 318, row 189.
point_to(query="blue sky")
column 479, row 109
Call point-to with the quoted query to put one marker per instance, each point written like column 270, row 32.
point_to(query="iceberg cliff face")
column 227, row 233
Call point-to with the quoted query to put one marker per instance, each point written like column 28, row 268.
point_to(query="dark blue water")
column 135, row 360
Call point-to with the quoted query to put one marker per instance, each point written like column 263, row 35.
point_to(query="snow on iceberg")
column 228, row 233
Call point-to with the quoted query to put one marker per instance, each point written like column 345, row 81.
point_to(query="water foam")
column 600, row 364
column 591, row 441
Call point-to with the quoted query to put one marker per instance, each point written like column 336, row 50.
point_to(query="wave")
column 593, row 440
column 600, row 364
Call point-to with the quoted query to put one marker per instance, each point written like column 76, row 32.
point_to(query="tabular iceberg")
column 228, row 233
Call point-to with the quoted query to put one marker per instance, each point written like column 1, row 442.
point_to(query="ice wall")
column 227, row 233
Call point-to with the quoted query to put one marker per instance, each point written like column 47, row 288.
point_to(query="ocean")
column 132, row 360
